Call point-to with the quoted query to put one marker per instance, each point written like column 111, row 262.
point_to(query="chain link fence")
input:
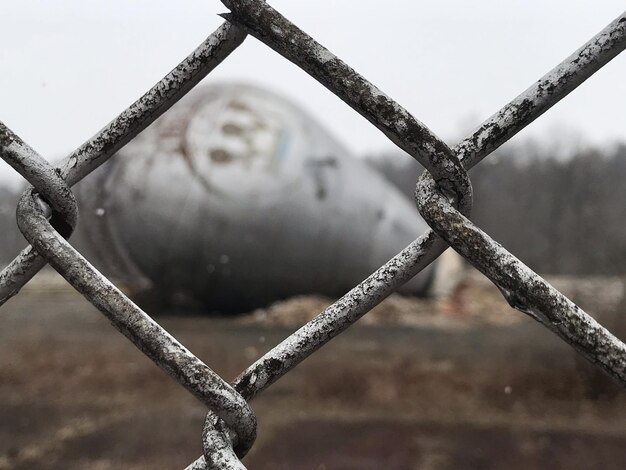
column 47, row 215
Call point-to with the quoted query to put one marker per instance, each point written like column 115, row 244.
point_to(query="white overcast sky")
column 67, row 67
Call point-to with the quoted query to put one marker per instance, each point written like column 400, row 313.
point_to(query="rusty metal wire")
column 47, row 214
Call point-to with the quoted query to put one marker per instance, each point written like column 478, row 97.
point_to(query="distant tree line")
column 563, row 215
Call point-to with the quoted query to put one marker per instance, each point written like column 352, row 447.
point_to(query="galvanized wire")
column 47, row 214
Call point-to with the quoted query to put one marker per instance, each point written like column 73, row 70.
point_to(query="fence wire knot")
column 47, row 215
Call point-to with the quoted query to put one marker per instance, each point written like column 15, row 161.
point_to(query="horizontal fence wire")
column 47, row 215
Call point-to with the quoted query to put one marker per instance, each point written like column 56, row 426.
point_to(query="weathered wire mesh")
column 47, row 214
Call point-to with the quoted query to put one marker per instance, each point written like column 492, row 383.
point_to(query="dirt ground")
column 457, row 383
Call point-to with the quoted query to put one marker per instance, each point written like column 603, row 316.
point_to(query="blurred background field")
column 416, row 384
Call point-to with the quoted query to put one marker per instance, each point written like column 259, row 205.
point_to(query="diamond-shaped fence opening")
column 47, row 214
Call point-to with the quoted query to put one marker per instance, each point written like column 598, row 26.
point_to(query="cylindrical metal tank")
column 236, row 197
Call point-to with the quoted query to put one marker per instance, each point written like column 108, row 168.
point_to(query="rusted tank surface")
column 236, row 197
